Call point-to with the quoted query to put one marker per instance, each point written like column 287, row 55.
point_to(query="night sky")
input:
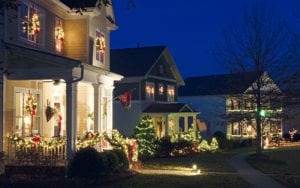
column 188, row 28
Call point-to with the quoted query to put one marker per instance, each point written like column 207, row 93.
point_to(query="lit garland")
column 30, row 104
column 90, row 139
column 59, row 33
column 100, row 44
column 32, row 24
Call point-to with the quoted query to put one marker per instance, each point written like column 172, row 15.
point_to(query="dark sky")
column 188, row 28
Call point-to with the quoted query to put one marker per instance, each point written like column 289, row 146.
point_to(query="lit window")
column 59, row 35
column 100, row 46
column 161, row 89
column 150, row 91
column 27, row 113
column 30, row 20
column 171, row 93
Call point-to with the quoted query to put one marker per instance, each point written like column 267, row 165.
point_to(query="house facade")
column 227, row 103
column 55, row 72
column 151, row 81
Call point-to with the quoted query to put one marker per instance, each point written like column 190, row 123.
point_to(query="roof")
column 79, row 3
column 131, row 62
column 224, row 84
column 167, row 108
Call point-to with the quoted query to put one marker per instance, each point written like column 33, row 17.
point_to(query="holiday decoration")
column 59, row 33
column 100, row 44
column 145, row 136
column 50, row 112
column 126, row 100
column 31, row 24
column 30, row 104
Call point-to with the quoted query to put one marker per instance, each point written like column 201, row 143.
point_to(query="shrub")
column 183, row 147
column 122, row 158
column 165, row 147
column 85, row 163
column 204, row 146
column 222, row 140
column 112, row 161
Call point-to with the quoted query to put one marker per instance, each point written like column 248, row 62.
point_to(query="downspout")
column 72, row 115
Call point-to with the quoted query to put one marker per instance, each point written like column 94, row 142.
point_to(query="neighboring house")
column 55, row 69
column 227, row 104
column 151, row 81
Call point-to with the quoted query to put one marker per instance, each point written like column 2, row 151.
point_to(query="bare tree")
column 261, row 42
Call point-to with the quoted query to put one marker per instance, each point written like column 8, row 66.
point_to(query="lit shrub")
column 183, row 147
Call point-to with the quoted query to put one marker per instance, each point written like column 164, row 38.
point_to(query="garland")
column 100, row 44
column 30, row 105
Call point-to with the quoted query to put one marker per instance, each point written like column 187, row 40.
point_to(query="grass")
column 282, row 165
column 207, row 162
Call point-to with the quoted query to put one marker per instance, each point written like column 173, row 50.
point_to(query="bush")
column 183, row 147
column 85, row 163
column 165, row 147
column 222, row 140
column 112, row 160
column 123, row 161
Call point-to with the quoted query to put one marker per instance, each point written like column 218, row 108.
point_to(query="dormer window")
column 150, row 91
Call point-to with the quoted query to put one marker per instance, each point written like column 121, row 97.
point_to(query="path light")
column 195, row 169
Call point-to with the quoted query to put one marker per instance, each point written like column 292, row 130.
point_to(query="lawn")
column 215, row 172
column 282, row 165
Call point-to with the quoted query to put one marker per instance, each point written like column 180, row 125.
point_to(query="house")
column 227, row 103
column 151, row 81
column 55, row 73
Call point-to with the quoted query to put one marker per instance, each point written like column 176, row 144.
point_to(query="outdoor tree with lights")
column 260, row 42
column 145, row 136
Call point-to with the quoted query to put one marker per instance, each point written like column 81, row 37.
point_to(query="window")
column 31, row 22
column 100, row 46
column 235, row 128
column 27, row 113
column 171, row 93
column 161, row 89
column 59, row 35
column 150, row 91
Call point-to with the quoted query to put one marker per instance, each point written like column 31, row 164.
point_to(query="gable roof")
column 167, row 108
column 224, row 84
column 131, row 62
column 137, row 62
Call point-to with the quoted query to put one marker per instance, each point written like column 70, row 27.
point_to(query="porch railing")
column 47, row 153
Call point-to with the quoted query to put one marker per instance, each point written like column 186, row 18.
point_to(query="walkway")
column 254, row 177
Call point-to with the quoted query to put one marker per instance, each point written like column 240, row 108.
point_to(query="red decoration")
column 126, row 100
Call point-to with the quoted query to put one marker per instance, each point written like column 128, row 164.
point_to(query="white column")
column 110, row 109
column 166, row 125
column 71, row 104
column 97, row 110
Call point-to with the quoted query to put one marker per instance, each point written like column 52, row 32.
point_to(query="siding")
column 76, row 39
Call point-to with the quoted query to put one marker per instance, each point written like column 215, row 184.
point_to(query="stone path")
column 254, row 177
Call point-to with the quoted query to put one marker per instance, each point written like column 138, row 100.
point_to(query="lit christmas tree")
column 146, row 138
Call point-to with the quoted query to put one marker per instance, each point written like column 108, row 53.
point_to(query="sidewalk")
column 254, row 177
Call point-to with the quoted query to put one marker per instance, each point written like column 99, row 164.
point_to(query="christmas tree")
column 146, row 138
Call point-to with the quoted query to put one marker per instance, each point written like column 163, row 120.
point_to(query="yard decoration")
column 146, row 138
